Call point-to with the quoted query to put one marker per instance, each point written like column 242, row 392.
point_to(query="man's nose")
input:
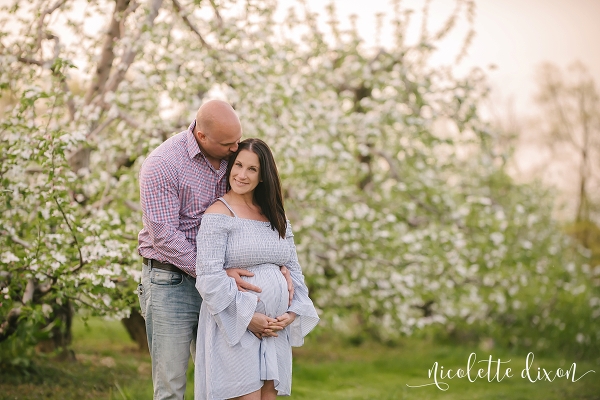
column 234, row 148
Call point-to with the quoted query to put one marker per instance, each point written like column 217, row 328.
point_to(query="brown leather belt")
column 159, row 265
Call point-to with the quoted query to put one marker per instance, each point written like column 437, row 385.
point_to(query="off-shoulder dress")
column 230, row 360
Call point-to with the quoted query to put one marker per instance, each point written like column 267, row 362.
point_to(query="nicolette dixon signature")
column 496, row 371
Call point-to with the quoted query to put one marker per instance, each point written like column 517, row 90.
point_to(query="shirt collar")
column 192, row 144
column 194, row 149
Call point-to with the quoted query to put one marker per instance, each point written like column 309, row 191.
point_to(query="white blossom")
column 8, row 257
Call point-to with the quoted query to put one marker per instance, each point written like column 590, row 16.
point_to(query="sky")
column 515, row 36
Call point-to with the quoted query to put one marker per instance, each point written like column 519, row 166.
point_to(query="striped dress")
column 230, row 360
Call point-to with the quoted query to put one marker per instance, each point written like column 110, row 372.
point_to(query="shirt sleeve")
column 232, row 310
column 306, row 314
column 159, row 198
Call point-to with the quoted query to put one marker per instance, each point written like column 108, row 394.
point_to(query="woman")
column 247, row 228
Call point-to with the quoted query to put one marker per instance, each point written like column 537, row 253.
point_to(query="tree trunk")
column 136, row 327
column 60, row 334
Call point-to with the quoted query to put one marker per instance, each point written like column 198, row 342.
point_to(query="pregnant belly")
column 273, row 300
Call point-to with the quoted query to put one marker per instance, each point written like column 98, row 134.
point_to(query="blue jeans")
column 170, row 304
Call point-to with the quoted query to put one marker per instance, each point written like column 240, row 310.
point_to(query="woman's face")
column 245, row 172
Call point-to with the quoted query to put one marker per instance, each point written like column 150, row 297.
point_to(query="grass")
column 108, row 366
column 371, row 371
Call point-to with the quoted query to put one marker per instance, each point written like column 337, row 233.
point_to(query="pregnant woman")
column 247, row 228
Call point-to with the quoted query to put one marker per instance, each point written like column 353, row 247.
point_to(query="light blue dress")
column 230, row 360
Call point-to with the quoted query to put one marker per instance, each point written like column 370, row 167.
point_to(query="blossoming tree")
column 404, row 216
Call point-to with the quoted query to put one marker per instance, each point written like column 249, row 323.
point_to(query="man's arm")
column 160, row 203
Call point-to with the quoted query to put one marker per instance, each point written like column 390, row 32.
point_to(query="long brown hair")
column 267, row 194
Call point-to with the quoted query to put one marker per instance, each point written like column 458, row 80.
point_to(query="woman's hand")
column 263, row 326
column 283, row 321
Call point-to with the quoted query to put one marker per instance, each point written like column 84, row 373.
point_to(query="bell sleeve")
column 306, row 314
column 231, row 309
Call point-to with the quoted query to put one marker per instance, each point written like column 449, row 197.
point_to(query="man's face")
column 220, row 143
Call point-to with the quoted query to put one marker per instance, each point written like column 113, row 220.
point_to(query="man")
column 178, row 181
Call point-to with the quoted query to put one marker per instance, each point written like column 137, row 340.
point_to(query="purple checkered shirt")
column 177, row 184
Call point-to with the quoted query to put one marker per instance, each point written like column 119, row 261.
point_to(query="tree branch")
column 217, row 14
column 129, row 55
column 121, row 114
column 130, row 10
column 55, row 7
column 62, row 78
column 9, row 326
column 179, row 10
column 16, row 239
column 29, row 290
column 43, row 16
column 81, row 301
column 396, row 175
column 27, row 60
column 70, row 101
column 390, row 162
column 56, row 72
column 101, row 127
column 133, row 206
column 81, row 262
column 107, row 55
column 102, row 202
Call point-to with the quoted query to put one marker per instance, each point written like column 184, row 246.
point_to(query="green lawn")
column 109, row 367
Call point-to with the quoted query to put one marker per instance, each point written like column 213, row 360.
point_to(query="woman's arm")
column 232, row 310
column 301, row 316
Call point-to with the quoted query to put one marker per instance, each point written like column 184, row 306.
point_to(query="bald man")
column 178, row 181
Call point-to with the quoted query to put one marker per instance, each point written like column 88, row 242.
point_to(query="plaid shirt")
column 177, row 184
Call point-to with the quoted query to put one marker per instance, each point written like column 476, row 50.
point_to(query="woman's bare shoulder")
column 218, row 208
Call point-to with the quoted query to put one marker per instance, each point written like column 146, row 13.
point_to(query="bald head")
column 218, row 129
column 216, row 113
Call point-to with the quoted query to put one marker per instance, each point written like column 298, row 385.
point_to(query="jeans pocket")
column 142, row 297
column 165, row 278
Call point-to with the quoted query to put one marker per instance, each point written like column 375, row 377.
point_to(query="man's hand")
column 288, row 279
column 242, row 285
column 283, row 320
column 263, row 326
